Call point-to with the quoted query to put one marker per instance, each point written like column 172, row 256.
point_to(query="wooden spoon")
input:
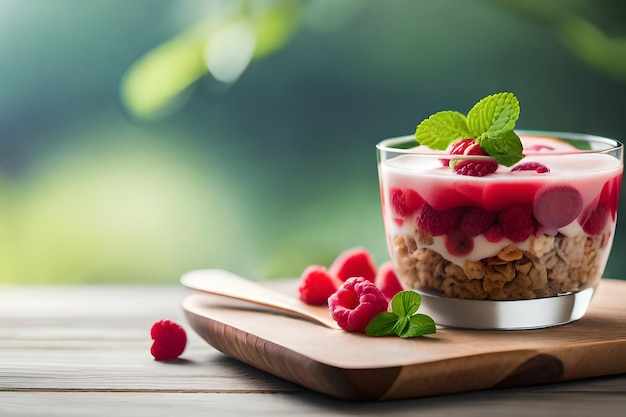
column 227, row 284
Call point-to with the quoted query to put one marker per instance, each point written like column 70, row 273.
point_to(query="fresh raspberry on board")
column 405, row 201
column 517, row 223
column 438, row 222
column 356, row 303
column 169, row 338
column 316, row 285
column 538, row 167
column 387, row 280
column 474, row 168
column 354, row 262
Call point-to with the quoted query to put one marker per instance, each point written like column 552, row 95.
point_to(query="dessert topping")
column 478, row 168
column 490, row 123
column 538, row 167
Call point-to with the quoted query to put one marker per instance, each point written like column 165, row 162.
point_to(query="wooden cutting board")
column 359, row 367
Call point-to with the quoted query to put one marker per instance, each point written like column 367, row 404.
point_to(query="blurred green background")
column 141, row 139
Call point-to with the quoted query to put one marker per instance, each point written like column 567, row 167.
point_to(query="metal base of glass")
column 507, row 315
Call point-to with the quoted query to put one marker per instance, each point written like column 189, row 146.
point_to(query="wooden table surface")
column 84, row 351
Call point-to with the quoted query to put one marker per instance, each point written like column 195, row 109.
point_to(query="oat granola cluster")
column 553, row 265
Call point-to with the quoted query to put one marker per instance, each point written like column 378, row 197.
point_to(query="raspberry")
column 558, row 206
column 474, row 149
column 494, row 233
column 356, row 303
column 169, row 338
column 387, row 280
column 437, row 222
column 476, row 220
column 458, row 243
column 355, row 262
column 460, row 147
column 475, row 168
column 517, row 223
column 609, row 196
column 405, row 201
column 538, row 167
column 316, row 285
column 595, row 220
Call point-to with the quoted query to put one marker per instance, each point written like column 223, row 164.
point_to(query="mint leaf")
column 401, row 324
column 441, row 129
column 419, row 325
column 405, row 303
column 506, row 149
column 494, row 115
column 383, row 324
column 491, row 122
column 403, row 321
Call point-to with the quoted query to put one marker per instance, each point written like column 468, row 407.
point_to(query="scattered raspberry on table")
column 169, row 338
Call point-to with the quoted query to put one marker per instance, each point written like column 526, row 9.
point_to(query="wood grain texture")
column 83, row 351
column 357, row 367
column 575, row 400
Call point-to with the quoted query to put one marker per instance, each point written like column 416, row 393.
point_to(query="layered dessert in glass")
column 539, row 229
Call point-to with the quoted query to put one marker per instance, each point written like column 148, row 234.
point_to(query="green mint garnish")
column 403, row 321
column 491, row 122
column 441, row 129
column 507, row 149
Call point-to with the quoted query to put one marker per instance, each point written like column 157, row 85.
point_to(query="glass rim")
column 387, row 145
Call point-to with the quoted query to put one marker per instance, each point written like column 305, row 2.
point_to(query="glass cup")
column 523, row 247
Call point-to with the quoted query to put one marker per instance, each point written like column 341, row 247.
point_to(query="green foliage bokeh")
column 124, row 158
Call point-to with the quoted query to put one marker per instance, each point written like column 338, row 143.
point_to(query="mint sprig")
column 403, row 319
column 441, row 129
column 507, row 149
column 491, row 122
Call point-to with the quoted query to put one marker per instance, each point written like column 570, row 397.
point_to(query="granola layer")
column 553, row 266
